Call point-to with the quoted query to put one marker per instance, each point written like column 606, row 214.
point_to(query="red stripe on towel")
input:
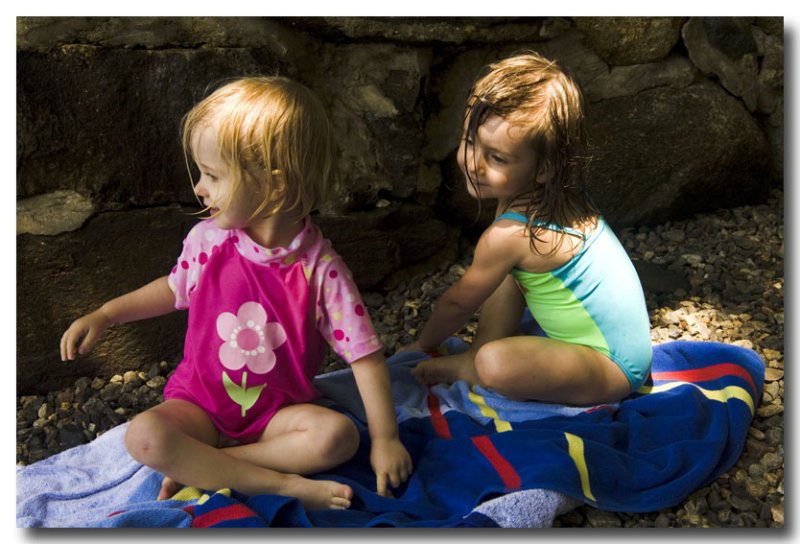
column 707, row 373
column 234, row 511
column 600, row 407
column 509, row 476
column 437, row 417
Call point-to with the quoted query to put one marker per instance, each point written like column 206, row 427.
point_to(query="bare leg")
column 530, row 367
column 302, row 439
column 525, row 367
column 178, row 439
column 500, row 317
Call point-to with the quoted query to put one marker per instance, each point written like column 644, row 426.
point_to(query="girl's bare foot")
column 168, row 488
column 314, row 494
column 447, row 369
column 318, row 494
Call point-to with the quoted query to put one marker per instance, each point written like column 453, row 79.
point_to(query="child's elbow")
column 452, row 302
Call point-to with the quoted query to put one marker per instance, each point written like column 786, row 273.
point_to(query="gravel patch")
column 715, row 277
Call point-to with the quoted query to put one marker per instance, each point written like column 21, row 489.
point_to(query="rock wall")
column 685, row 116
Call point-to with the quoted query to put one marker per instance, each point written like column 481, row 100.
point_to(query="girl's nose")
column 474, row 163
column 199, row 188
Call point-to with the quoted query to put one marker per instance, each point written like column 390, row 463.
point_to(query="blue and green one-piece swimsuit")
column 594, row 299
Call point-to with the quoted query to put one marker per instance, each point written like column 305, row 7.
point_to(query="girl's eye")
column 212, row 177
column 499, row 159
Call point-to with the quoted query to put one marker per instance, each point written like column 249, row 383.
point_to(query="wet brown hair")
column 538, row 95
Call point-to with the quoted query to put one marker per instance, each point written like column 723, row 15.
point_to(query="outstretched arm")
column 494, row 257
column 389, row 458
column 155, row 298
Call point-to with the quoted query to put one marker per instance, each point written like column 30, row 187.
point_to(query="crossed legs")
column 177, row 439
column 526, row 367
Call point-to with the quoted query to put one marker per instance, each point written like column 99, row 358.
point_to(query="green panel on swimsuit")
column 571, row 322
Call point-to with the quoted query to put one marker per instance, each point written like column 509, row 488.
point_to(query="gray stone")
column 724, row 47
column 371, row 94
column 630, row 40
column 656, row 147
column 53, row 213
column 70, row 435
column 156, row 383
column 131, row 155
column 111, row 391
column 676, row 72
column 602, row 518
column 657, row 279
column 662, row 521
column 772, row 461
column 40, row 33
column 426, row 30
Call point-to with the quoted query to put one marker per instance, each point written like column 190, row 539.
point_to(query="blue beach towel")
column 480, row 460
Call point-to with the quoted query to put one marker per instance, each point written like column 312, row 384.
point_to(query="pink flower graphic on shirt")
column 249, row 340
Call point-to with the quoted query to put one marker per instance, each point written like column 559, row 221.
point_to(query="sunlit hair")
column 535, row 93
column 275, row 136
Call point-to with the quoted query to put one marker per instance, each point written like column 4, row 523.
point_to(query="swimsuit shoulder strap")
column 514, row 216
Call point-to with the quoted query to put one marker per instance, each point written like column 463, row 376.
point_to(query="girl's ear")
column 543, row 173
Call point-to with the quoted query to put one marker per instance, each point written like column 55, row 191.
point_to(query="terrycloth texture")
column 78, row 485
column 480, row 460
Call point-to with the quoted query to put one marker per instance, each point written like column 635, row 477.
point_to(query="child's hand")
column 391, row 462
column 88, row 327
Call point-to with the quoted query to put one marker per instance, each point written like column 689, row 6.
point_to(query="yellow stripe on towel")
column 225, row 492
column 575, row 444
column 187, row 494
column 500, row 424
column 720, row 395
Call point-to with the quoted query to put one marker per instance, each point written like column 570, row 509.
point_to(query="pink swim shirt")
column 260, row 321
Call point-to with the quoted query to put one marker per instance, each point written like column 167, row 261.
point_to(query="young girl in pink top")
column 266, row 294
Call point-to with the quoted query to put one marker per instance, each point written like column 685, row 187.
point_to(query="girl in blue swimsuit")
column 548, row 250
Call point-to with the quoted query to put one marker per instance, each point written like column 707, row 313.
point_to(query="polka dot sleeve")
column 342, row 318
column 186, row 273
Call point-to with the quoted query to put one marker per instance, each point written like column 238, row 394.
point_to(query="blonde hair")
column 275, row 136
column 535, row 93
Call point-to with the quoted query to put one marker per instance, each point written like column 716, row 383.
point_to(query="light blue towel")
column 71, row 488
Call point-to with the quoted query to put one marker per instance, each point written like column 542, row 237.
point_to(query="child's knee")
column 147, row 439
column 491, row 365
column 336, row 439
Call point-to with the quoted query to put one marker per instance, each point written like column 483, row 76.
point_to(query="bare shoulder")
column 505, row 241
column 551, row 249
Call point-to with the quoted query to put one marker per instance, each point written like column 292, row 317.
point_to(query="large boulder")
column 621, row 41
column 372, row 95
column 63, row 277
column 104, row 122
column 670, row 153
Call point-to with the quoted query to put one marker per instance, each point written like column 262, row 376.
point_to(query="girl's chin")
column 474, row 193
